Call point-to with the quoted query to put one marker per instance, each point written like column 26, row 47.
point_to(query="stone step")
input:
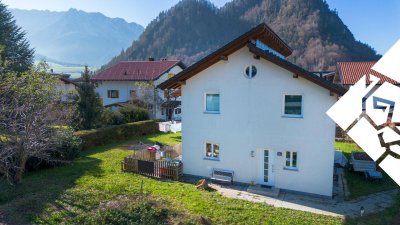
column 264, row 190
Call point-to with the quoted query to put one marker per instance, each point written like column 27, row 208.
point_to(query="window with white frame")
column 291, row 160
column 212, row 103
column 212, row 151
column 293, row 105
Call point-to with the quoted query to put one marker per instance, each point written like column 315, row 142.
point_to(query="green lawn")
column 79, row 192
column 73, row 193
column 356, row 182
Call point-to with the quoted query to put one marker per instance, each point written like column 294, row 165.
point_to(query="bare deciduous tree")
column 146, row 96
column 30, row 114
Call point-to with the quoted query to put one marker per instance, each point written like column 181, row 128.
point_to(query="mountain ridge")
column 317, row 35
column 76, row 36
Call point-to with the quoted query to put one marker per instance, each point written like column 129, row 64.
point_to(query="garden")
column 93, row 190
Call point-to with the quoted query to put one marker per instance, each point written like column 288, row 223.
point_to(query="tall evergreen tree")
column 89, row 103
column 16, row 54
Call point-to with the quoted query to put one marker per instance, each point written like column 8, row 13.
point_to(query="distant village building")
column 348, row 73
column 134, row 83
column 65, row 86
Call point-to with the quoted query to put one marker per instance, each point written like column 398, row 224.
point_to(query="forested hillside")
column 193, row 28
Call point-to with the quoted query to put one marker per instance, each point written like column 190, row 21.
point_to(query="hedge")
column 103, row 136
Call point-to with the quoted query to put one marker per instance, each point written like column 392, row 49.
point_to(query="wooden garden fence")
column 149, row 164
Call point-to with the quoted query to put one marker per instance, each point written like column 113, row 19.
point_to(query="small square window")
column 212, row 151
column 212, row 103
column 291, row 160
column 293, row 105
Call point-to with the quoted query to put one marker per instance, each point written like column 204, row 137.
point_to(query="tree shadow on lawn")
column 20, row 204
column 58, row 188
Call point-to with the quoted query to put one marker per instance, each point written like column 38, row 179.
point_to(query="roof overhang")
column 337, row 89
column 261, row 32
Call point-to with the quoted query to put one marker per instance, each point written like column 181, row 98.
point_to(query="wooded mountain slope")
column 193, row 28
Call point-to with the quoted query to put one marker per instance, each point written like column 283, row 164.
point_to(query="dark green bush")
column 69, row 145
column 107, row 135
column 134, row 114
column 110, row 117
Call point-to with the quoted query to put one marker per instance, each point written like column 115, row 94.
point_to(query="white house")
column 249, row 110
column 123, row 81
column 66, row 87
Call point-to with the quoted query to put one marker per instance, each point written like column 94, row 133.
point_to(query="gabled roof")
column 136, row 70
column 263, row 33
column 351, row 72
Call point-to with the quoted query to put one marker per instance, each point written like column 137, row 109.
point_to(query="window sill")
column 210, row 112
column 290, row 168
column 292, row 116
column 211, row 159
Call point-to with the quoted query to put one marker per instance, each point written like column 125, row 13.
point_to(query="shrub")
column 67, row 148
column 144, row 213
column 135, row 209
column 134, row 114
column 69, row 145
column 107, row 135
column 110, row 117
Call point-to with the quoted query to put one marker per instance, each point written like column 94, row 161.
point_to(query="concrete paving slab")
column 372, row 203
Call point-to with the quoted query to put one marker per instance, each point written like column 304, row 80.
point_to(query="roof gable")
column 263, row 33
column 136, row 70
column 351, row 72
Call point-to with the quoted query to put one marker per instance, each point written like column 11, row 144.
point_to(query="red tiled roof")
column 135, row 70
column 351, row 72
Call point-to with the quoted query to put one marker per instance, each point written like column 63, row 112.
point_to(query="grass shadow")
column 39, row 189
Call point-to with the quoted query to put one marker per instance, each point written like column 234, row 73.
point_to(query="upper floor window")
column 113, row 93
column 250, row 71
column 212, row 103
column 293, row 106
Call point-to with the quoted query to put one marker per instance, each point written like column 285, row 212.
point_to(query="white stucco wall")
column 64, row 88
column 251, row 118
column 124, row 88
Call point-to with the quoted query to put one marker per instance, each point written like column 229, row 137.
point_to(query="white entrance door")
column 266, row 167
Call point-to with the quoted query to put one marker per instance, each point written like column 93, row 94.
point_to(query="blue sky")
column 376, row 22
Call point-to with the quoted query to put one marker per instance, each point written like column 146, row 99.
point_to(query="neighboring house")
column 136, row 80
column 248, row 109
column 67, row 88
column 348, row 73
